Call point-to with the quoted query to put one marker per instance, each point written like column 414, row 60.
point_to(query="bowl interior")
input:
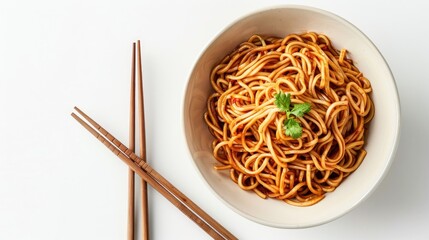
column 383, row 132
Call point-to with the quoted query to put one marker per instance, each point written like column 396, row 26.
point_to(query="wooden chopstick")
column 143, row 185
column 131, row 182
column 159, row 183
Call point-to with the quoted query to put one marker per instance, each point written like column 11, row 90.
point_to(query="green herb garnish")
column 300, row 109
column 292, row 128
column 291, row 125
column 282, row 102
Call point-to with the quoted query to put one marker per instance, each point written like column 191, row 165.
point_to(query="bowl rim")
column 392, row 150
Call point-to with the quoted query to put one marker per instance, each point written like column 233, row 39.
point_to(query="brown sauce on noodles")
column 249, row 137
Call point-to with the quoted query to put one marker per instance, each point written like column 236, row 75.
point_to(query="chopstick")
column 158, row 182
column 131, row 175
column 143, row 185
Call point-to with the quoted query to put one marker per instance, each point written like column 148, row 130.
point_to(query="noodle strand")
column 249, row 136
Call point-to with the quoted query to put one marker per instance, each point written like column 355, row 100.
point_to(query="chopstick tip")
column 78, row 110
column 74, row 115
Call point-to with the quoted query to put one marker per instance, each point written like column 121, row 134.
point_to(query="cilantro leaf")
column 282, row 101
column 292, row 128
column 300, row 109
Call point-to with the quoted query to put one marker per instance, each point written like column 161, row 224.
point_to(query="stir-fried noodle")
column 249, row 131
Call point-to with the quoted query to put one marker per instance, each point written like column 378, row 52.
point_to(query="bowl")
column 383, row 133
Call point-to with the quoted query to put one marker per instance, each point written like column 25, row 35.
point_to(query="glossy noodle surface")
column 250, row 140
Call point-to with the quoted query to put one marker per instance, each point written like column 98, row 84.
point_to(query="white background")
column 58, row 182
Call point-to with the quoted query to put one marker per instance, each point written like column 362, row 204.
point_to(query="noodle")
column 250, row 139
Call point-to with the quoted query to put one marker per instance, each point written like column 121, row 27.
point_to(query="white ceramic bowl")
column 383, row 133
